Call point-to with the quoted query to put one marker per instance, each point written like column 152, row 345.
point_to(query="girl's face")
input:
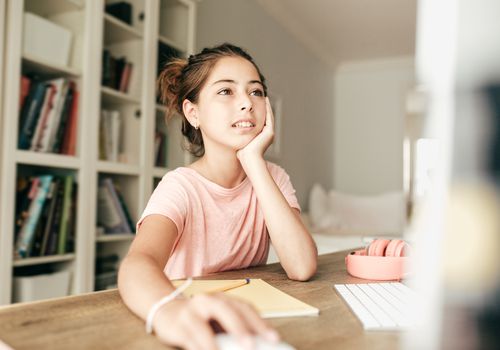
column 231, row 109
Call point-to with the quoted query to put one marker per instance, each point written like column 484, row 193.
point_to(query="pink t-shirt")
column 218, row 228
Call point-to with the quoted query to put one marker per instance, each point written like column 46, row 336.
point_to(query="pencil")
column 233, row 285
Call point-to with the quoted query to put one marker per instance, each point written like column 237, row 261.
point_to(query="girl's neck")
column 220, row 169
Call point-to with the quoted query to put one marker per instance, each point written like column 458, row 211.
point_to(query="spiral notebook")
column 269, row 301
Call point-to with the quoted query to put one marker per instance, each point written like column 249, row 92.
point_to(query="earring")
column 196, row 126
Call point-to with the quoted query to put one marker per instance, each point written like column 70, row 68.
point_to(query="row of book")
column 110, row 136
column 116, row 72
column 112, row 212
column 45, row 215
column 49, row 115
column 161, row 148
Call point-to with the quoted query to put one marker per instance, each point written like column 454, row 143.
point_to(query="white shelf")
column 160, row 108
column 38, row 65
column 47, row 159
column 43, row 260
column 172, row 44
column 52, row 7
column 114, row 96
column 117, row 168
column 160, row 172
column 115, row 237
column 116, row 30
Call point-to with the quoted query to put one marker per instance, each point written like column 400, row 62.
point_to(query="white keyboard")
column 380, row 306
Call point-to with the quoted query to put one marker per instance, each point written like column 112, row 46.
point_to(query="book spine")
column 51, row 248
column 54, row 117
column 112, row 216
column 57, row 117
column 63, row 229
column 48, row 104
column 50, row 217
column 63, row 125
column 115, row 126
column 69, row 143
column 30, row 115
column 25, row 89
column 25, row 238
column 42, row 222
column 124, row 207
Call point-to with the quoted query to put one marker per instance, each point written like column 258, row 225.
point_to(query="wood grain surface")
column 100, row 320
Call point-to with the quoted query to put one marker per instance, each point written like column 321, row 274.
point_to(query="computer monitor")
column 455, row 225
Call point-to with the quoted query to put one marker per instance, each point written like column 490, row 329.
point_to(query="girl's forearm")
column 142, row 283
column 289, row 236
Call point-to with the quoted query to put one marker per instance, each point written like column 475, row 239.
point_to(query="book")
column 69, row 143
column 125, row 209
column 110, row 213
column 119, row 67
column 66, row 207
column 125, row 77
column 48, row 105
column 53, row 118
column 269, row 301
column 30, row 114
column 25, row 89
column 26, row 234
column 42, row 222
column 109, row 135
column 52, row 196
column 63, row 127
column 53, row 233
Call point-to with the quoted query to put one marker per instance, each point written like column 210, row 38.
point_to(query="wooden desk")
column 100, row 320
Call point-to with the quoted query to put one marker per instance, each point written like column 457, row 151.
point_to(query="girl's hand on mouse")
column 258, row 146
column 186, row 322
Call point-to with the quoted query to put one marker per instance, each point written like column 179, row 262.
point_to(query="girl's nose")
column 246, row 104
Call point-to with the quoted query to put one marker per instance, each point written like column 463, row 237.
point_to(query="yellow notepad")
column 269, row 301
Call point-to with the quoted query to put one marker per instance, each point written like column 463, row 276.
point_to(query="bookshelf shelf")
column 43, row 260
column 117, row 168
column 159, row 172
column 116, row 97
column 160, row 108
column 47, row 159
column 51, row 7
column 35, row 64
column 115, row 237
column 117, row 31
column 172, row 43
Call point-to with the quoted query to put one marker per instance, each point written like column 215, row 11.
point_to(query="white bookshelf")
column 136, row 172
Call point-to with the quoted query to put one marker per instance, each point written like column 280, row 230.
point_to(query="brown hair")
column 183, row 79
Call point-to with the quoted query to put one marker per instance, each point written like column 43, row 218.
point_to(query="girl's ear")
column 191, row 112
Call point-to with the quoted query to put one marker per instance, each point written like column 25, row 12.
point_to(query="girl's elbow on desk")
column 304, row 271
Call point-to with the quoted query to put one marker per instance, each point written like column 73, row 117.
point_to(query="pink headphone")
column 383, row 260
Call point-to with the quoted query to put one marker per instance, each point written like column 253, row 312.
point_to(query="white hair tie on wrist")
column 154, row 309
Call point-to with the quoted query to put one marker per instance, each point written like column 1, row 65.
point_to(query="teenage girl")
column 219, row 213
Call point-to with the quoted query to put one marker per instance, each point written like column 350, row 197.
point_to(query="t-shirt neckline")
column 220, row 189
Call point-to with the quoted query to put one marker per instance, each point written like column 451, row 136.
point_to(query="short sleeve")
column 285, row 185
column 168, row 199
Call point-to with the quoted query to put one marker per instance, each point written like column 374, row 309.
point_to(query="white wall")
column 369, row 124
column 304, row 83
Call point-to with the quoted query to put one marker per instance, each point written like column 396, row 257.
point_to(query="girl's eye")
column 224, row 92
column 257, row 93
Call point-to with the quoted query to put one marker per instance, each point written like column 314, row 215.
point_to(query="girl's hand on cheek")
column 185, row 323
column 258, row 146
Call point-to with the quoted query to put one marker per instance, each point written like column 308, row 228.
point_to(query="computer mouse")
column 230, row 342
